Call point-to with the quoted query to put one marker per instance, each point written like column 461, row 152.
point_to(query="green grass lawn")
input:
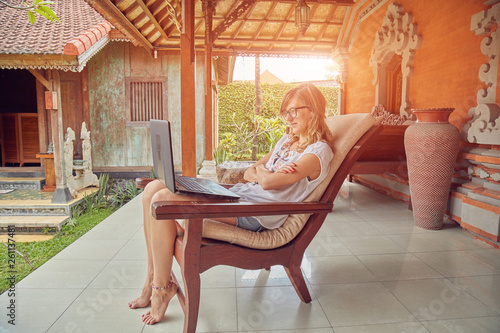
column 39, row 252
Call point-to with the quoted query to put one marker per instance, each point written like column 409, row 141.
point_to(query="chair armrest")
column 142, row 182
column 164, row 210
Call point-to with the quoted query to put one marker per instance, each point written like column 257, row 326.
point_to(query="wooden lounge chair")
column 203, row 243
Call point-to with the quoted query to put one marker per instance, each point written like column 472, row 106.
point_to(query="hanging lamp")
column 302, row 16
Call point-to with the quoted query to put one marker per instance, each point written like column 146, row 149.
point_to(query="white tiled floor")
column 369, row 270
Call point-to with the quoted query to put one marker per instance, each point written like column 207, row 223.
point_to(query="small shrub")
column 123, row 193
column 97, row 200
column 72, row 222
column 77, row 210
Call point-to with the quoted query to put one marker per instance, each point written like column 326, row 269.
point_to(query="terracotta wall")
column 446, row 65
column 116, row 143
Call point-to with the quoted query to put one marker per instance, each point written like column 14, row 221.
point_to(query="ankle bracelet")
column 162, row 288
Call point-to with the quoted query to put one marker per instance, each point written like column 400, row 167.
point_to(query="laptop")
column 163, row 162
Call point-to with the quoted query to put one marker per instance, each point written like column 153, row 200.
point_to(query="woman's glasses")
column 292, row 112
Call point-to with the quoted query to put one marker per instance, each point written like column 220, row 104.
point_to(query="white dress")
column 295, row 192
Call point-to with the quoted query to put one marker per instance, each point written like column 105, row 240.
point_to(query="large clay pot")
column 431, row 146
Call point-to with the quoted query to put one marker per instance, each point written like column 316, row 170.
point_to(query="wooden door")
column 29, row 137
column 10, row 139
column 19, row 137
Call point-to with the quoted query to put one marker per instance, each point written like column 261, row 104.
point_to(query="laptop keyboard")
column 191, row 184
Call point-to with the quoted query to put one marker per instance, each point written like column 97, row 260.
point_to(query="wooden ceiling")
column 239, row 27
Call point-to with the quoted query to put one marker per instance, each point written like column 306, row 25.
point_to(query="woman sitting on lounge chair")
column 297, row 164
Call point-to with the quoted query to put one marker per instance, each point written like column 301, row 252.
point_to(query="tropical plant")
column 273, row 129
column 97, row 200
column 220, row 155
column 101, row 196
column 123, row 193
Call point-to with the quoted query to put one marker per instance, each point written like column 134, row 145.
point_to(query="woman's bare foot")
column 143, row 300
column 159, row 304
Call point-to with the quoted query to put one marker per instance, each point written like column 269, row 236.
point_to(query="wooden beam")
column 266, row 20
column 325, row 24
column 152, row 18
column 266, row 52
column 276, row 42
column 188, row 93
column 115, row 16
column 242, row 51
column 322, row 2
column 247, row 15
column 232, row 17
column 282, row 27
column 38, row 61
column 285, row 20
column 41, row 78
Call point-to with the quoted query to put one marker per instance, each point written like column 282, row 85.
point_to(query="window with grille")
column 145, row 100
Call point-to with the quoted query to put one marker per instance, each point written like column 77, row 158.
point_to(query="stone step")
column 32, row 224
column 27, row 238
column 31, row 212
column 35, row 202
column 23, row 183
column 22, row 172
column 37, row 210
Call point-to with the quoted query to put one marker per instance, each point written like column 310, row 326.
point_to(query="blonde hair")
column 317, row 130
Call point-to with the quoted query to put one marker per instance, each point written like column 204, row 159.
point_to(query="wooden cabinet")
column 19, row 138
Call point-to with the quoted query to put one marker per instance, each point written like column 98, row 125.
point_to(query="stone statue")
column 68, row 152
column 83, row 173
column 86, row 149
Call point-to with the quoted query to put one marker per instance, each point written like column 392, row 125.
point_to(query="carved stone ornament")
column 387, row 118
column 398, row 35
column 484, row 127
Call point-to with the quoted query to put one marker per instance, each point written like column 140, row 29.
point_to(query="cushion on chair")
column 347, row 130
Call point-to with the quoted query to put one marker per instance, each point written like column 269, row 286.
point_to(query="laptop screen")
column 161, row 144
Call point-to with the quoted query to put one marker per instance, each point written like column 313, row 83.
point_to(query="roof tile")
column 44, row 37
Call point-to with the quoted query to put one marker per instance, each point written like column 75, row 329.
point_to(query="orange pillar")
column 188, row 130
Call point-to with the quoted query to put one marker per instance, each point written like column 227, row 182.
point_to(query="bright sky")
column 287, row 69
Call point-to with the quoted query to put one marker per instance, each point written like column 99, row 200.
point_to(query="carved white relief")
column 397, row 35
column 68, row 152
column 484, row 127
column 86, row 149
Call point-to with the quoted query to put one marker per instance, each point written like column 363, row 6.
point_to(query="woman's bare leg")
column 150, row 190
column 163, row 234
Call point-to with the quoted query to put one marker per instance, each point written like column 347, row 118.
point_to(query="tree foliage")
column 40, row 7
column 237, row 119
column 238, row 98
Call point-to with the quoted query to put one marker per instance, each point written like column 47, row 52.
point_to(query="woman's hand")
column 250, row 174
column 287, row 168
column 306, row 166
